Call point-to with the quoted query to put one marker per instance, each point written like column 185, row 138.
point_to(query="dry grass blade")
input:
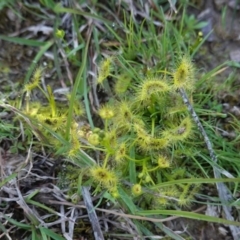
column 71, row 223
column 92, row 214
column 31, row 214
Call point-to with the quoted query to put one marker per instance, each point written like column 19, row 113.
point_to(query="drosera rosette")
column 146, row 143
column 179, row 131
column 184, row 74
column 105, row 68
column 175, row 107
column 139, row 131
column 165, row 197
column 186, row 190
column 51, row 115
column 34, row 82
column 149, row 88
column 163, row 162
column 122, row 84
column 34, row 108
column 104, row 178
column 116, row 146
column 180, row 194
column 75, row 144
column 120, row 153
column 152, row 167
column 109, row 141
column 136, row 189
column 106, row 112
column 157, row 143
column 93, row 138
column 56, row 121
column 125, row 117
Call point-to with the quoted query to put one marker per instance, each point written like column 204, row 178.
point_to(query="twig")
column 223, row 192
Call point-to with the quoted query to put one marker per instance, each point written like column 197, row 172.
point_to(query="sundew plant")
column 146, row 132
column 145, row 135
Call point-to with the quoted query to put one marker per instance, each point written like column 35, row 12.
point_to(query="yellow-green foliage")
column 152, row 122
column 142, row 129
column 52, row 115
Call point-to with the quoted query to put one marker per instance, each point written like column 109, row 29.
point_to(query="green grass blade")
column 59, row 9
column 43, row 234
column 127, row 200
column 50, row 233
column 79, row 81
column 74, row 51
column 86, row 101
column 196, row 180
column 169, row 232
column 23, row 41
column 186, row 214
column 31, row 195
column 34, row 234
column 132, row 167
column 40, row 205
column 3, row 229
column 8, row 179
column 18, row 224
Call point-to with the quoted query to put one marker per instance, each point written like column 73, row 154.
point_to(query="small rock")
column 212, row 211
column 234, row 5
column 235, row 111
column 235, row 55
column 223, row 231
column 11, row 15
column 226, row 106
column 219, row 3
column 207, row 16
